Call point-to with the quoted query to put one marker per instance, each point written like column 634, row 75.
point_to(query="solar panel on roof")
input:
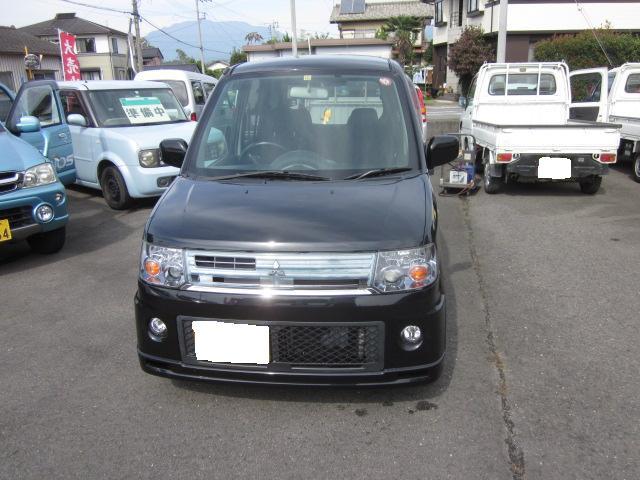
column 346, row 6
column 358, row 6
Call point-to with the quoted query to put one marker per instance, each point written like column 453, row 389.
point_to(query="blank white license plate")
column 554, row 168
column 457, row 176
column 223, row 342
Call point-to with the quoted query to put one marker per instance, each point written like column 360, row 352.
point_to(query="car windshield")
column 179, row 89
column 135, row 107
column 335, row 126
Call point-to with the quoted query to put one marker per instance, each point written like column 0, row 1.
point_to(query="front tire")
column 48, row 242
column 114, row 189
column 591, row 186
column 636, row 167
column 491, row 184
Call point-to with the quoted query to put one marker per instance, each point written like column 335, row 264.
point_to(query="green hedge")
column 582, row 50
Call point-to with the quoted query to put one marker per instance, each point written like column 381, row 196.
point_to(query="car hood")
column 150, row 136
column 16, row 154
column 280, row 215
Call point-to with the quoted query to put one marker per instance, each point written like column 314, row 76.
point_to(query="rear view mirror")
column 311, row 93
column 28, row 124
column 77, row 120
column 442, row 149
column 173, row 151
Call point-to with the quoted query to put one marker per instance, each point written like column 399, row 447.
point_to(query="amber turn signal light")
column 152, row 267
column 418, row 273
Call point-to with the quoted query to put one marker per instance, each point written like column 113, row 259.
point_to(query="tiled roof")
column 13, row 40
column 68, row 22
column 383, row 11
column 151, row 52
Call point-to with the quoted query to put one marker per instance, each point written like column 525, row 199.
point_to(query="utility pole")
column 502, row 32
column 136, row 22
column 200, row 37
column 293, row 27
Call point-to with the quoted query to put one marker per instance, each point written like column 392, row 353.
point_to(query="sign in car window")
column 144, row 110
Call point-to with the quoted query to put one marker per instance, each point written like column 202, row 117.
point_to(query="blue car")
column 33, row 203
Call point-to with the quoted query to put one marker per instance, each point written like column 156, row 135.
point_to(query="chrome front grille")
column 282, row 272
column 9, row 181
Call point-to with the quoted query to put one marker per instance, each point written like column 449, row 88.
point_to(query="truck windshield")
column 126, row 108
column 334, row 126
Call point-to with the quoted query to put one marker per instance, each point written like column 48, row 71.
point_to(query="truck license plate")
column 458, row 176
column 5, row 230
column 224, row 342
column 554, row 168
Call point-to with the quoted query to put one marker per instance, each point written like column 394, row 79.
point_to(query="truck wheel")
column 636, row 167
column 491, row 184
column 592, row 185
column 114, row 189
column 48, row 242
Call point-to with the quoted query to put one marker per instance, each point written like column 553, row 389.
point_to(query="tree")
column 183, row 58
column 237, row 56
column 583, row 51
column 404, row 29
column 467, row 55
column 286, row 38
column 252, row 37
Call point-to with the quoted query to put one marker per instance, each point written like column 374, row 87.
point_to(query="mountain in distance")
column 218, row 38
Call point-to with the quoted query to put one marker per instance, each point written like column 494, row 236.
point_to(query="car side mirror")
column 442, row 149
column 173, row 151
column 77, row 120
column 28, row 124
column 464, row 102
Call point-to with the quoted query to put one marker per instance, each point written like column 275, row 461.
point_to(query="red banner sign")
column 70, row 64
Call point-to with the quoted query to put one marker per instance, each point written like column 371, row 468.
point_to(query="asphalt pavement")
column 541, row 379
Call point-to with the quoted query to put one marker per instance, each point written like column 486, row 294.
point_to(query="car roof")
column 331, row 63
column 110, row 84
column 169, row 74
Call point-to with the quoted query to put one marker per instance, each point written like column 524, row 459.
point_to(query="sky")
column 312, row 15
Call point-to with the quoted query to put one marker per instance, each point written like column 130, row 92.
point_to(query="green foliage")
column 183, row 58
column 404, row 29
column 582, row 50
column 286, row 38
column 468, row 54
column 253, row 37
column 237, row 56
column 381, row 34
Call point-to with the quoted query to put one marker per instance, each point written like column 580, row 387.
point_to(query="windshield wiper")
column 273, row 174
column 378, row 172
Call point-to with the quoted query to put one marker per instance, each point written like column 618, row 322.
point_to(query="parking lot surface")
column 541, row 378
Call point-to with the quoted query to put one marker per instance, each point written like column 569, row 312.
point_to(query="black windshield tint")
column 328, row 125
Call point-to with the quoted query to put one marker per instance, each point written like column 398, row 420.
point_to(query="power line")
column 593, row 30
column 97, row 8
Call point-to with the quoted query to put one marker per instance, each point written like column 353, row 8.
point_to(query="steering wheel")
column 276, row 148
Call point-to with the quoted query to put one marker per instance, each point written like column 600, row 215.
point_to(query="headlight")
column 162, row 266
column 406, row 269
column 149, row 158
column 42, row 174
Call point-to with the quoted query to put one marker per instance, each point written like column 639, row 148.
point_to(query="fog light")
column 44, row 213
column 59, row 198
column 411, row 334
column 157, row 329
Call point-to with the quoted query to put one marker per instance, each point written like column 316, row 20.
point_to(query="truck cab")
column 40, row 99
column 611, row 96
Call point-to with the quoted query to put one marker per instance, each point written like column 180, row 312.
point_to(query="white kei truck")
column 517, row 118
column 611, row 96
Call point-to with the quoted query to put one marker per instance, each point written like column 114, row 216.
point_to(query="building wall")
column 382, row 51
column 15, row 65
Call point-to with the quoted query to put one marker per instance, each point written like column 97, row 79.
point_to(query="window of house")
column 473, row 5
column 7, row 79
column 523, row 84
column 114, row 45
column 633, row 83
column 90, row 74
column 86, row 45
column 439, row 15
column 348, row 33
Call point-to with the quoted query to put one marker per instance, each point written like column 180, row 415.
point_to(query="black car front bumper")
column 387, row 360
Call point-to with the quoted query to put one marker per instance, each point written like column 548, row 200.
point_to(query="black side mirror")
column 442, row 149
column 173, row 151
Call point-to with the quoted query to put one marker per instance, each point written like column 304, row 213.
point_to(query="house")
column 12, row 52
column 218, row 65
column 103, row 52
column 349, row 46
column 360, row 19
column 528, row 22
column 152, row 56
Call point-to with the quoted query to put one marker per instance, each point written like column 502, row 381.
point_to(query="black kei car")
column 298, row 243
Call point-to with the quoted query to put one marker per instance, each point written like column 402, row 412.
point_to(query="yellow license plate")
column 5, row 231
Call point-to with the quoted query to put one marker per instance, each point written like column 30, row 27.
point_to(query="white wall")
column 383, row 51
